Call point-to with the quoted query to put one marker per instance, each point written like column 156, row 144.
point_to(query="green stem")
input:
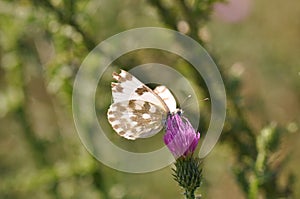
column 189, row 194
column 253, row 187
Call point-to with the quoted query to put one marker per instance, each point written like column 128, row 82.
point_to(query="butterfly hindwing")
column 165, row 94
column 136, row 118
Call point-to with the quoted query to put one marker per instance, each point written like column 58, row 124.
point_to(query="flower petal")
column 181, row 138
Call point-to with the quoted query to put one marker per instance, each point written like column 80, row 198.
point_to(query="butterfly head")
column 178, row 111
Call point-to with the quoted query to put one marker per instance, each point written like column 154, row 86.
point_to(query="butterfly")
column 138, row 111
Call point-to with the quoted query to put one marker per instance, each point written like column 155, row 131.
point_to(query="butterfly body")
column 138, row 111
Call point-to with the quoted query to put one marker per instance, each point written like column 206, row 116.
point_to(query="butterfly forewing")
column 130, row 88
column 136, row 118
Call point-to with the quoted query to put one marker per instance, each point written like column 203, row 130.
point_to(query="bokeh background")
column 255, row 44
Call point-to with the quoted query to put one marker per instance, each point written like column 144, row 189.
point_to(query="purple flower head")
column 181, row 138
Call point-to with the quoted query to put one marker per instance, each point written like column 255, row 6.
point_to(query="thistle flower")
column 181, row 138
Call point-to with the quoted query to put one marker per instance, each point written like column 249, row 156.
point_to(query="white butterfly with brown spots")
column 138, row 111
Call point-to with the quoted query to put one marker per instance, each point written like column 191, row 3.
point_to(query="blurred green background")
column 255, row 43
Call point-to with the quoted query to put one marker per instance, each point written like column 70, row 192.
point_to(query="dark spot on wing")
column 116, row 126
column 117, row 87
column 112, row 119
column 131, row 104
column 128, row 76
column 121, row 108
column 146, row 107
column 142, row 90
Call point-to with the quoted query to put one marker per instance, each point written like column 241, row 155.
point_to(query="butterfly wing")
column 129, row 87
column 136, row 118
column 165, row 94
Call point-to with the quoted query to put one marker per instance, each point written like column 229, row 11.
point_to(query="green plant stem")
column 253, row 187
column 189, row 194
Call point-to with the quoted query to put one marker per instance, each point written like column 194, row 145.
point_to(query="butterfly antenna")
column 185, row 100
column 184, row 105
